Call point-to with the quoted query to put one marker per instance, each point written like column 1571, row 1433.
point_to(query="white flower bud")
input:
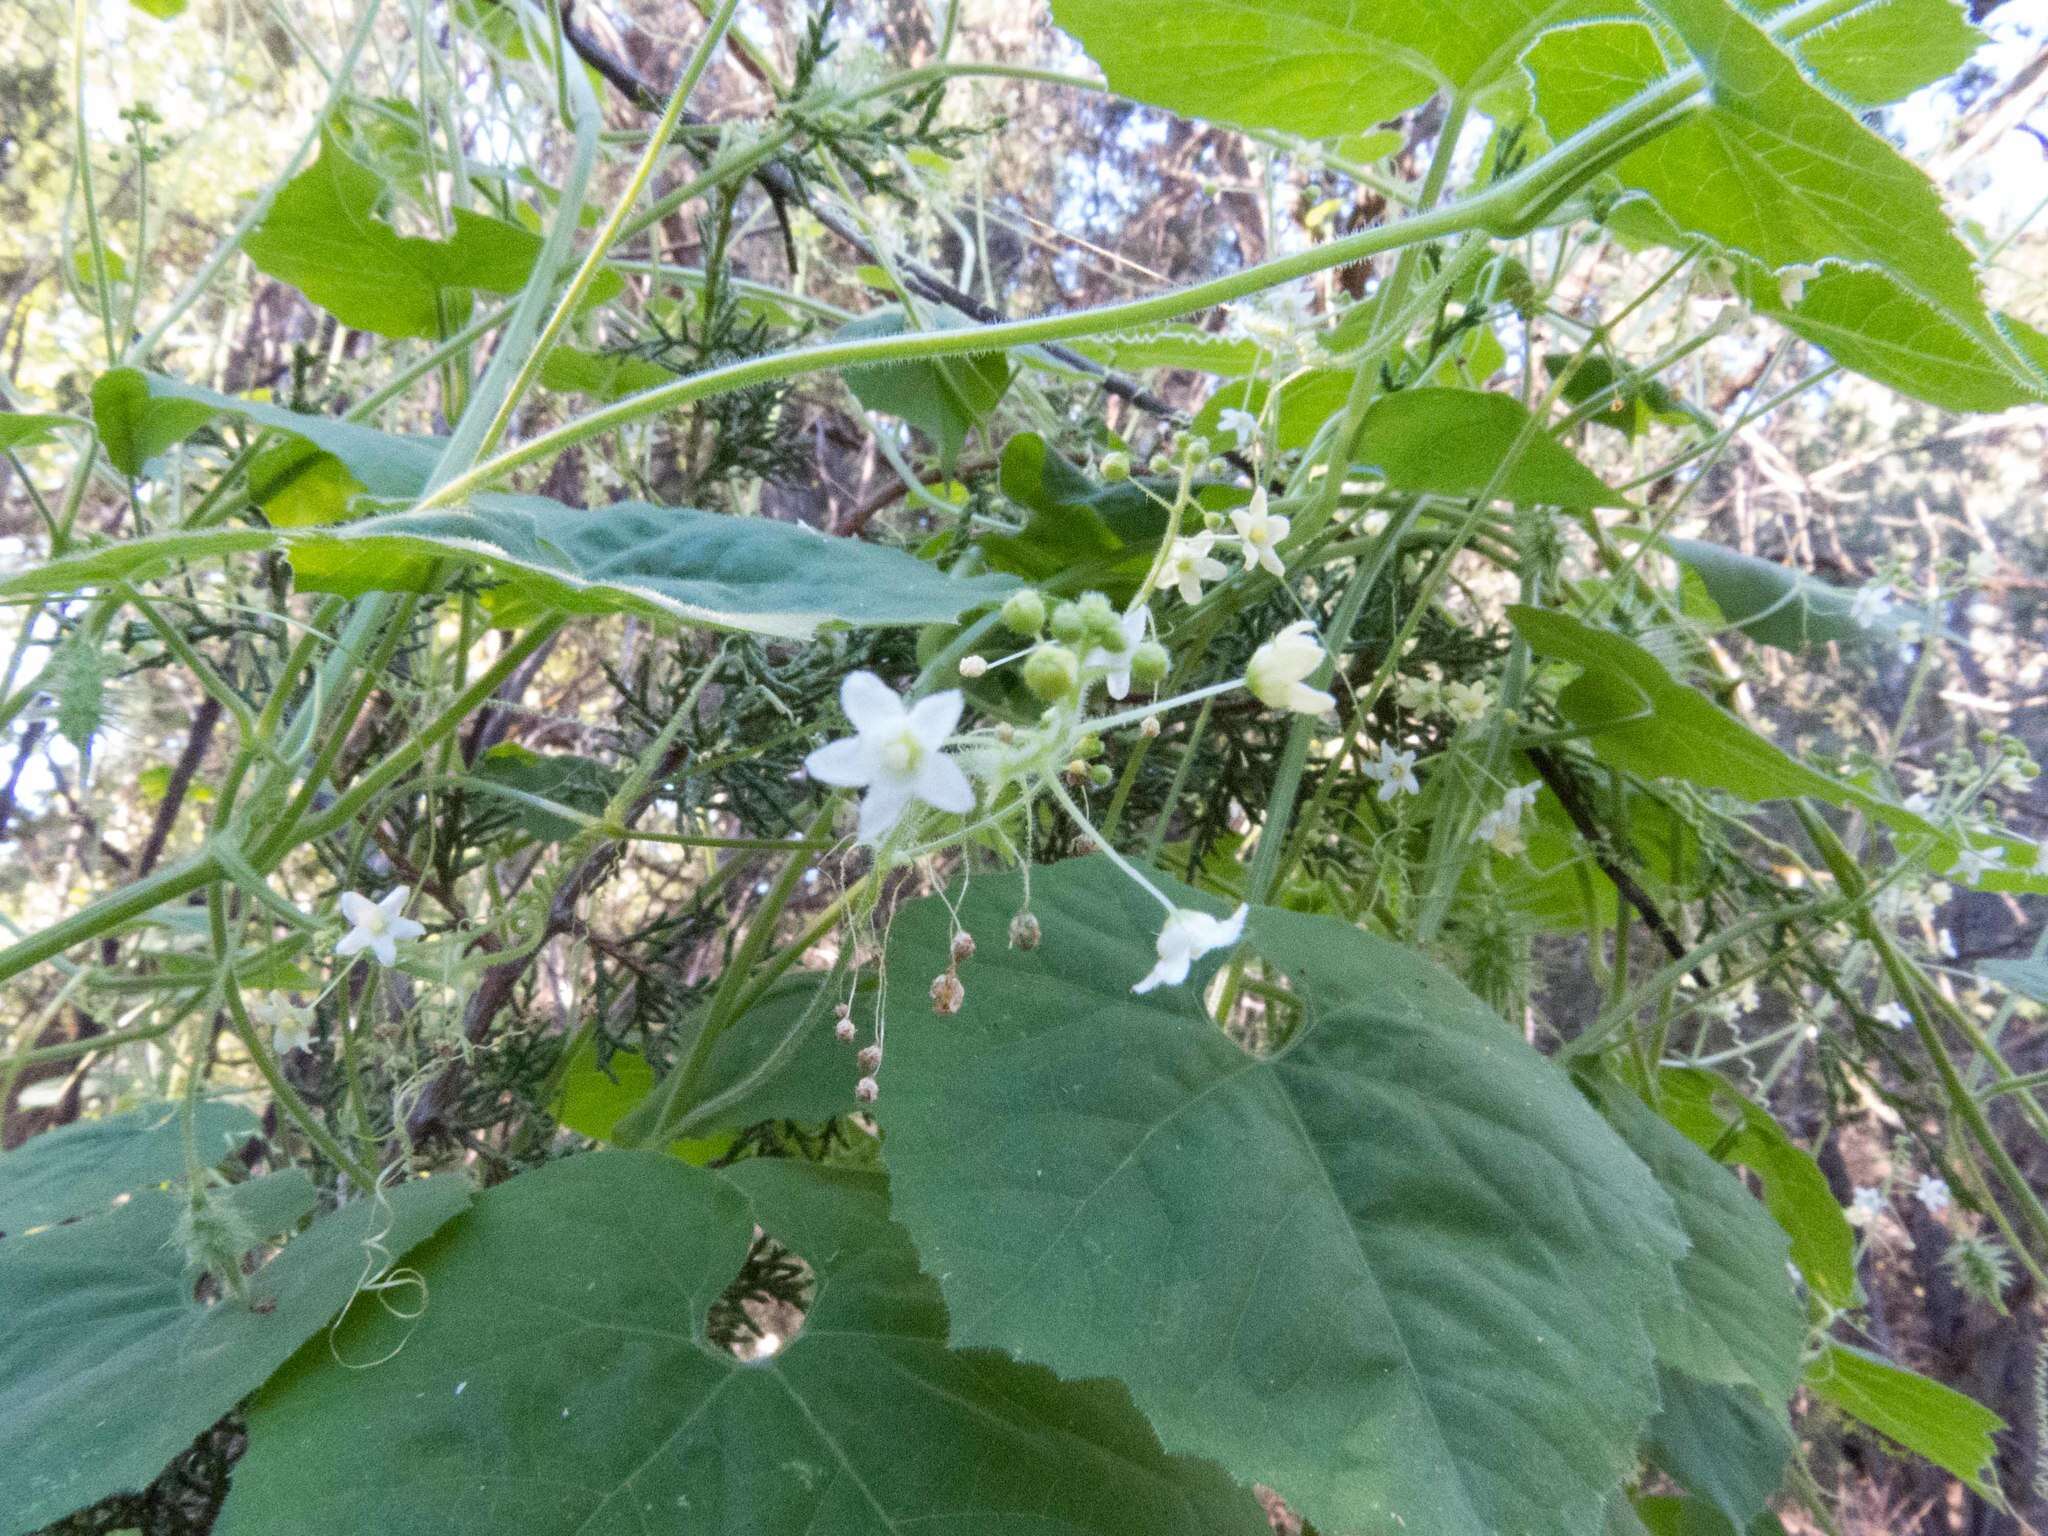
column 1279, row 669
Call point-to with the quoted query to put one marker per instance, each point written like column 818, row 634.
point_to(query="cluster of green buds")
column 1080, row 641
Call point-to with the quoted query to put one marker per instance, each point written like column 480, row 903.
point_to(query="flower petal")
column 385, row 948
column 934, row 719
column 941, row 784
column 849, row 762
column 870, row 703
column 356, row 907
column 403, row 928
column 354, row 942
column 881, row 808
column 393, row 901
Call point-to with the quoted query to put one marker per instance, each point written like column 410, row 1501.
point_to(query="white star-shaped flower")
column 1895, row 1014
column 1186, row 937
column 1278, row 671
column 1260, row 532
column 1932, row 1193
column 1189, row 564
column 1973, row 864
column 290, row 1026
column 1522, row 798
column 1240, row 424
column 894, row 754
column 379, row 926
column 1866, row 1205
column 1871, row 605
column 1396, row 773
column 1117, row 665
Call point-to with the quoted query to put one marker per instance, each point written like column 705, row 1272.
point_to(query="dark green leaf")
column 25, row 429
column 1931, row 1420
column 576, row 783
column 1080, row 530
column 1881, row 53
column 562, row 1371
column 109, row 1367
column 1774, row 604
column 1724, row 1444
column 601, row 375
column 1452, row 441
column 80, row 1169
column 675, row 563
column 1872, row 325
column 777, row 1061
column 139, row 415
column 942, row 397
column 1629, row 404
column 1725, row 1124
column 1736, row 1320
column 1374, row 1271
column 1636, row 715
column 1307, row 400
column 323, row 235
column 2028, row 977
column 1319, row 68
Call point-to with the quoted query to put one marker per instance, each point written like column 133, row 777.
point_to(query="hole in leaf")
column 762, row 1311
column 1262, row 1011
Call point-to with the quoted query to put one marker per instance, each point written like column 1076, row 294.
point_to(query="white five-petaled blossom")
column 379, row 926
column 894, row 754
column 1186, row 937
column 1866, row 1205
column 291, row 1027
column 1973, row 864
column 1189, row 564
column 1240, row 424
column 1466, row 703
column 1117, row 667
column 1894, row 1013
column 1503, row 828
column 1396, row 773
column 1260, row 532
column 1871, row 605
column 1933, row 1193
column 1278, row 671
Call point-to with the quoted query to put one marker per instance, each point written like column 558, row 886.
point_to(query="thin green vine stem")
column 609, row 234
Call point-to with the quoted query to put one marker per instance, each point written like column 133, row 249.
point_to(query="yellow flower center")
column 902, row 755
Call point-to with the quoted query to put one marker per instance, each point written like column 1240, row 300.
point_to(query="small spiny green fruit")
column 1024, row 613
column 1051, row 672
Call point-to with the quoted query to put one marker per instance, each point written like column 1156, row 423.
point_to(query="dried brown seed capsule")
column 1024, row 932
column 963, row 946
column 947, row 994
column 841, row 1010
column 844, row 1030
column 870, row 1060
column 867, row 1090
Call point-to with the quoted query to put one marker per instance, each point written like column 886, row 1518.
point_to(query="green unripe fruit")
column 1096, row 610
column 1100, row 775
column 1149, row 663
column 1069, row 624
column 1195, row 449
column 1160, row 464
column 1051, row 672
column 1116, row 466
column 1089, row 745
column 1024, row 613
